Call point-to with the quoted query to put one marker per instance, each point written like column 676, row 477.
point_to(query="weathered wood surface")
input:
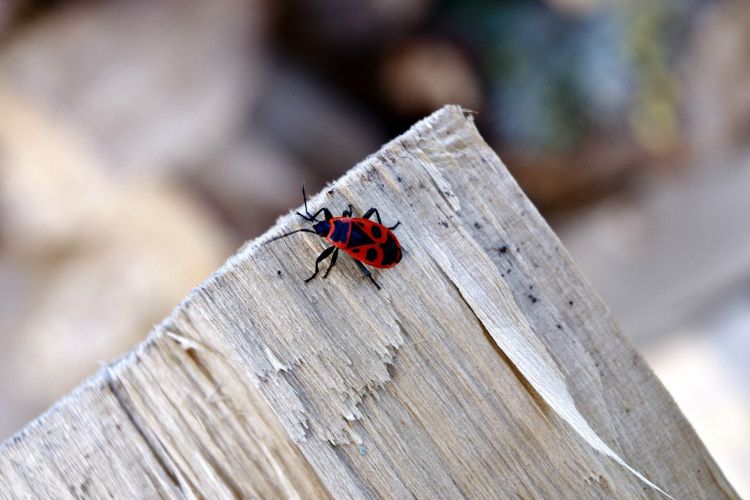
column 451, row 381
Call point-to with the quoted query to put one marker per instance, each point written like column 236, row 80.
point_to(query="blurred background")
column 142, row 142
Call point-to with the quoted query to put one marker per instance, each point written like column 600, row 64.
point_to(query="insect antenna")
column 289, row 234
column 304, row 197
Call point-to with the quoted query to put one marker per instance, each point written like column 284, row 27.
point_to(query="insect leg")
column 311, row 218
column 320, row 258
column 377, row 214
column 348, row 212
column 326, row 213
column 366, row 272
column 333, row 262
column 373, row 211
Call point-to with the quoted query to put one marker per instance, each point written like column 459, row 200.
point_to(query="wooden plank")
column 485, row 367
column 158, row 424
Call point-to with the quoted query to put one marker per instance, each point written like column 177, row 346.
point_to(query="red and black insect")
column 367, row 242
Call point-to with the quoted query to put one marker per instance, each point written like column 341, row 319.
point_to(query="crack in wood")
column 151, row 441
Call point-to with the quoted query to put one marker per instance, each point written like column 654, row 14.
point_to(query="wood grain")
column 449, row 382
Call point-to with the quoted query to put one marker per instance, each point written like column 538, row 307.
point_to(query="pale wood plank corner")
column 443, row 384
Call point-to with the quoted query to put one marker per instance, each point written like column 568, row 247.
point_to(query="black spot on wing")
column 359, row 237
column 372, row 254
column 376, row 231
column 391, row 252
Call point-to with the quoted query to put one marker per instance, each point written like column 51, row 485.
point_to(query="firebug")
column 366, row 241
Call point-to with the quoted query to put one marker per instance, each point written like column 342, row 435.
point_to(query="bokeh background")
column 142, row 141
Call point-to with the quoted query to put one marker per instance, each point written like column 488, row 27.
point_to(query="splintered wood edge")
column 117, row 422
